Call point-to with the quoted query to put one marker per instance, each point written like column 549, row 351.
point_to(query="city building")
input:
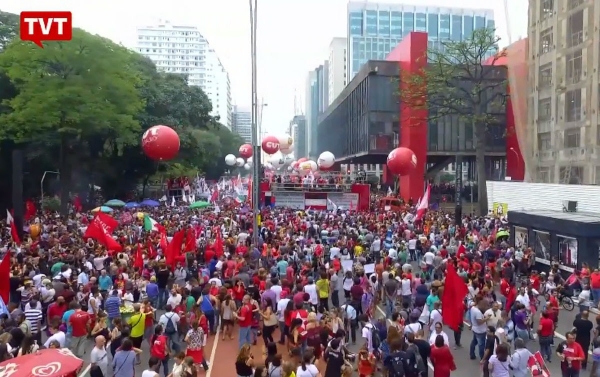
column 564, row 91
column 337, row 75
column 374, row 29
column 317, row 101
column 183, row 50
column 242, row 123
column 298, row 133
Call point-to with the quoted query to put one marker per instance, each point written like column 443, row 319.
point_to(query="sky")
column 293, row 36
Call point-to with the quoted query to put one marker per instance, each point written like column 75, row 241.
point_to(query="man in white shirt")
column 479, row 328
column 334, row 252
column 435, row 316
column 174, row 299
column 349, row 315
column 412, row 246
column 311, row 289
column 281, row 305
column 428, row 259
column 57, row 335
column 406, row 290
column 277, row 289
column 493, row 314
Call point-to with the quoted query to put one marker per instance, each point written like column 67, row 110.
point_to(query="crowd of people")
column 308, row 291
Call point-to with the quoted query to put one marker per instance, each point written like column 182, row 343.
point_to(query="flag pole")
column 255, row 131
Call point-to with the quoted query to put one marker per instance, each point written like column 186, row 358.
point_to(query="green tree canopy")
column 81, row 107
column 462, row 79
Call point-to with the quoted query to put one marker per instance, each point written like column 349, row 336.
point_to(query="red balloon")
column 160, row 143
column 270, row 144
column 245, row 151
column 401, row 161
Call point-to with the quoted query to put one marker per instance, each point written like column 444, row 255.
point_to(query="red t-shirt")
column 239, row 292
column 79, row 321
column 246, row 313
column 571, row 350
column 547, row 327
column 595, row 280
column 56, row 310
column 159, row 347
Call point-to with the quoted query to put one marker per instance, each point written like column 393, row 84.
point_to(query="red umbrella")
column 45, row 363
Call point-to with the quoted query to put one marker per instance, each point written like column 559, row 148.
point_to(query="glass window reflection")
column 433, row 25
column 384, row 23
column 479, row 22
column 356, row 23
column 444, row 26
column 408, row 23
column 457, row 26
column 396, row 24
column 421, row 22
column 468, row 27
column 371, row 24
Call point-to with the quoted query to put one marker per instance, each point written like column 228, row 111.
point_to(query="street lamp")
column 255, row 131
column 517, row 156
column 42, row 185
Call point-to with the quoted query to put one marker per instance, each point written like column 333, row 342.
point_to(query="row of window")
column 168, row 32
column 398, row 24
column 574, row 35
column 571, row 139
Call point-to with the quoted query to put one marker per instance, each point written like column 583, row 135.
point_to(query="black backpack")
column 375, row 338
column 397, row 366
column 170, row 327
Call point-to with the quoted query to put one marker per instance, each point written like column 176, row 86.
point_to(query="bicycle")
column 564, row 300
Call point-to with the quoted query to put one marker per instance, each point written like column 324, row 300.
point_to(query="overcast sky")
column 293, row 35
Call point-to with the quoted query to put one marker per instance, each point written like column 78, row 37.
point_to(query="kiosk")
column 566, row 238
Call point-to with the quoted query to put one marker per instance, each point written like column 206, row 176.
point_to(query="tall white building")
column 182, row 49
column 337, row 75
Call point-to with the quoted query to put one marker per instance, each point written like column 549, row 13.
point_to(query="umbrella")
column 150, row 203
column 115, row 203
column 502, row 233
column 131, row 205
column 47, row 363
column 199, row 204
column 102, row 209
column 140, row 215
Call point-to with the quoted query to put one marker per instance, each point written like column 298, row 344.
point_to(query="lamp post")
column 517, row 156
column 42, row 185
column 255, row 131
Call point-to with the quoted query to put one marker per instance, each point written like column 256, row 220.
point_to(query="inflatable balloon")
column 288, row 159
column 286, row 150
column 230, row 160
column 35, row 230
column 285, row 142
column 247, row 166
column 239, row 162
column 246, row 151
column 268, row 166
column 277, row 162
column 290, row 168
column 301, row 160
column 308, row 166
column 270, row 144
column 401, row 161
column 249, row 160
column 160, row 143
column 326, row 160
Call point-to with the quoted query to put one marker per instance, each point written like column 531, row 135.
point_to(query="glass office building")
column 375, row 29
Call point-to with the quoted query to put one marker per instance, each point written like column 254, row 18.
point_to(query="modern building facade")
column 317, row 101
column 183, row 50
column 338, row 68
column 298, row 134
column 242, row 123
column 564, row 91
column 374, row 29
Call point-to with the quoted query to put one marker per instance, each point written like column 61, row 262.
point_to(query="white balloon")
column 286, row 150
column 288, row 159
column 326, row 160
column 308, row 166
column 268, row 166
column 277, row 161
column 230, row 160
column 285, row 141
column 239, row 162
column 247, row 166
column 249, row 160
column 290, row 168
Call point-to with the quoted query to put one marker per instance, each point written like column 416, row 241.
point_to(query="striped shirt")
column 34, row 316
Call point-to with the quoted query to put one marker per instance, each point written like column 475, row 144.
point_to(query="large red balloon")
column 160, row 143
column 245, row 151
column 401, row 161
column 270, row 144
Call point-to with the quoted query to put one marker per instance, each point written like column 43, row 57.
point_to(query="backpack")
column 375, row 339
column 397, row 367
column 170, row 327
column 420, row 364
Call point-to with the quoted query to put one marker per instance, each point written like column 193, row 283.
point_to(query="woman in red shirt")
column 546, row 335
column 159, row 348
column 239, row 291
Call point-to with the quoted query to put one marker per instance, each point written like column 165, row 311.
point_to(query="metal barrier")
column 308, row 187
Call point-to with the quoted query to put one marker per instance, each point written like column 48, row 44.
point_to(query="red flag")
column 30, row 210
column 151, row 251
column 101, row 229
column 138, row 257
column 164, row 244
column 214, row 196
column 510, row 299
column 455, row 291
column 190, row 240
column 218, row 243
column 249, row 196
column 5, row 278
column 13, row 228
column 174, row 249
column 77, row 203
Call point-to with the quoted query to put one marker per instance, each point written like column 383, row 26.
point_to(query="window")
column 545, row 79
column 371, row 24
column 444, row 26
column 544, row 109
column 433, row 25
column 546, row 40
column 421, row 22
column 573, row 105
column 544, row 175
column 574, row 65
column 544, row 141
column 356, row 23
column 468, row 26
column 408, row 23
column 457, row 28
column 572, row 138
column 396, row 24
column 571, row 175
column 546, row 9
column 575, row 29
column 384, row 23
column 574, row 4
column 479, row 22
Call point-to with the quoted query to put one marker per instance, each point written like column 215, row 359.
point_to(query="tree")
column 70, row 92
column 460, row 80
column 9, row 28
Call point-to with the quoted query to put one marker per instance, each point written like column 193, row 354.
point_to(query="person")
column 583, row 330
column 365, row 363
column 274, row 368
column 288, row 369
column 244, row 361
column 99, row 358
column 196, row 340
column 169, row 321
column 28, row 346
column 441, row 358
column 334, row 357
column 596, row 358
column 499, row 364
column 245, row 321
column 399, row 363
column 80, row 323
column 178, row 365
column 519, row 359
column 546, row 335
column 227, row 316
column 159, row 348
column 571, row 355
column 422, row 347
column 153, row 366
column 124, row 361
column 306, row 367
